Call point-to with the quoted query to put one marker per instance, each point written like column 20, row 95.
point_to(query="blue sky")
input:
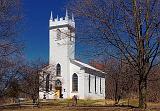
column 35, row 34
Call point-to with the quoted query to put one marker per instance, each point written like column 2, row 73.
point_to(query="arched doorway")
column 58, row 88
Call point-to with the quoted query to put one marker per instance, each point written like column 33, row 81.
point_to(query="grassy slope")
column 85, row 105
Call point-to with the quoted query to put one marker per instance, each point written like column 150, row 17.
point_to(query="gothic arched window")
column 74, row 82
column 47, row 82
column 100, row 86
column 58, row 70
column 58, row 34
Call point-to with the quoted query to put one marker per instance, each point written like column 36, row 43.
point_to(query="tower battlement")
column 62, row 21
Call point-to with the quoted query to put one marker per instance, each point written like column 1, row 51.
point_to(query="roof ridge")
column 85, row 65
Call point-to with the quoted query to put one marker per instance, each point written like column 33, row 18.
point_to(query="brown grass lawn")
column 85, row 105
column 70, row 109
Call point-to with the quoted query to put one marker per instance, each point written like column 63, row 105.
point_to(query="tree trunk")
column 116, row 93
column 142, row 94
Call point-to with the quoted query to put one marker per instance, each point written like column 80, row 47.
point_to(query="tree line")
column 127, row 30
column 18, row 77
column 121, row 84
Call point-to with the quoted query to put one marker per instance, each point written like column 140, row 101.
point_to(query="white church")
column 65, row 76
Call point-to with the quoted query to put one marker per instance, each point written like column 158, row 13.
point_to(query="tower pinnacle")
column 72, row 17
column 57, row 17
column 66, row 17
column 51, row 17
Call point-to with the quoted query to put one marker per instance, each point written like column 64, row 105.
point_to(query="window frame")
column 58, row 34
column 100, row 85
column 89, row 83
column 58, row 70
column 74, row 82
column 95, row 84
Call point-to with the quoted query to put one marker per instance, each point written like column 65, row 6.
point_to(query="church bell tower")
column 61, row 38
column 62, row 49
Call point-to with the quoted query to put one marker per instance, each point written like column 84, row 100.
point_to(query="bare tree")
column 130, row 27
column 120, row 83
column 154, row 85
column 13, row 89
column 9, row 71
column 10, row 46
column 32, row 79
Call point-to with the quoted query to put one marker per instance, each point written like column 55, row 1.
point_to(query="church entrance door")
column 58, row 88
column 58, row 91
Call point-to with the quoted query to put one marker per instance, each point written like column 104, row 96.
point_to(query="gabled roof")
column 88, row 69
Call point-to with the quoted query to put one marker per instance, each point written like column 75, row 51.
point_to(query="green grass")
column 68, row 102
column 83, row 105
